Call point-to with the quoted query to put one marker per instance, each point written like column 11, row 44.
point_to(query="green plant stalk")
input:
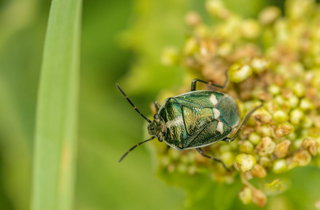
column 57, row 109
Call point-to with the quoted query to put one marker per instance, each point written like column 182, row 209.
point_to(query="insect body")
column 195, row 119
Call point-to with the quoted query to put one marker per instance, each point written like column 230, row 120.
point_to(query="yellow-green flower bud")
column 293, row 101
column 297, row 9
column 217, row 8
column 269, row 15
column 299, row 89
column 296, row 116
column 284, row 129
column 245, row 195
column 165, row 161
column 170, row 56
column 245, row 147
column 306, row 104
column 224, row 49
column 244, row 162
column 280, row 116
column 227, row 158
column 279, row 166
column 192, row 170
column 307, row 122
column 265, row 162
column 193, row 19
column 274, row 89
column 259, row 64
column 258, row 171
column 191, row 46
column 238, row 72
column 250, row 29
column 281, row 149
column 182, row 168
column 266, row 147
column 254, row 138
column 311, row 145
column 263, row 116
column 264, row 130
column 279, row 99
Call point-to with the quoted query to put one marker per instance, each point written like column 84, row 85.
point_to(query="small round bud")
column 306, row 104
column 244, row 162
column 299, row 89
column 265, row 162
column 250, row 29
column 254, row 138
column 217, row 8
column 238, row 72
column 274, row 89
column 170, row 56
column 269, row 15
column 245, row 147
column 279, row 166
column 296, row 116
column 280, row 116
column 193, row 19
column 245, row 195
column 227, row 158
column 259, row 64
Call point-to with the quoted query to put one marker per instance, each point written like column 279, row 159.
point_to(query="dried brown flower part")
column 258, row 171
column 266, row 147
column 311, row 145
column 281, row 149
column 284, row 129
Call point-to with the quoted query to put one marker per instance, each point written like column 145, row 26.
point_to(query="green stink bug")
column 194, row 119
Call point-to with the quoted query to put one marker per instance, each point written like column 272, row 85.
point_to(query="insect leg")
column 212, row 158
column 157, row 105
column 194, row 83
column 242, row 124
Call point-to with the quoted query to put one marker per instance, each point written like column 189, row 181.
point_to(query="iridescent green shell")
column 198, row 118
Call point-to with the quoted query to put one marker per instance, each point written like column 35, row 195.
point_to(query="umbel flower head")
column 275, row 60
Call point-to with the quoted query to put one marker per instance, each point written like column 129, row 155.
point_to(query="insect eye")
column 156, row 116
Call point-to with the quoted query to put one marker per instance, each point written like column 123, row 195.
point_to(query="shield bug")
column 194, row 119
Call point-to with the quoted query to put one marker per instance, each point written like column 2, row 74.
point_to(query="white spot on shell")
column 213, row 99
column 197, row 109
column 220, row 127
column 216, row 113
column 175, row 122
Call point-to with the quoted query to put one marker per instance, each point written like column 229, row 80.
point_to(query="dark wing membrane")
column 229, row 112
column 208, row 135
column 198, row 99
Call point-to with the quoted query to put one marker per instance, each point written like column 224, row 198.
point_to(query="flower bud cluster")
column 283, row 74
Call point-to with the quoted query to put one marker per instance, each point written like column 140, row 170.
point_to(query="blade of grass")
column 56, row 121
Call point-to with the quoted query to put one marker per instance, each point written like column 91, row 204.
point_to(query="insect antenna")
column 132, row 148
column 149, row 121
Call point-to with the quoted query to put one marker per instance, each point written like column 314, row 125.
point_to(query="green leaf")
column 56, row 121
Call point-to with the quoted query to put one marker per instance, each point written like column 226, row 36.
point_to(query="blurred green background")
column 121, row 42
